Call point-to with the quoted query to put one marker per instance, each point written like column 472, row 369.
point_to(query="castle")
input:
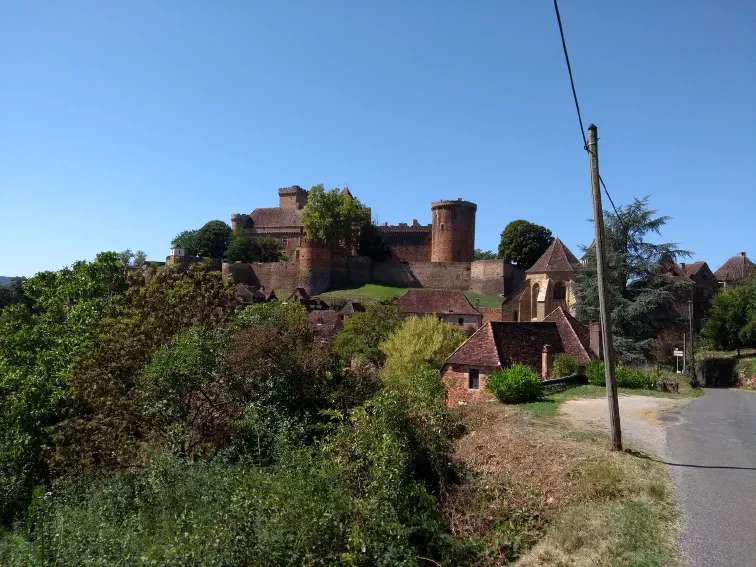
column 436, row 255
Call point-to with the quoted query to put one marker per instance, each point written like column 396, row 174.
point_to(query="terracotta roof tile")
column 692, row 269
column 557, row 258
column 576, row 337
column 480, row 349
column 739, row 267
column 436, row 301
column 351, row 308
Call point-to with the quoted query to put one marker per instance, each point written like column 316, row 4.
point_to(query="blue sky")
column 123, row 123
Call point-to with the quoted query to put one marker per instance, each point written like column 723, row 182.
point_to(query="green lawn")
column 375, row 292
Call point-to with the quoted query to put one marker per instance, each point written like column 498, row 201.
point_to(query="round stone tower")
column 453, row 231
column 239, row 220
column 314, row 267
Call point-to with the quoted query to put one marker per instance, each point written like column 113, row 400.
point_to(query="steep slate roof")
column 326, row 324
column 736, row 268
column 276, row 217
column 557, row 258
column 576, row 337
column 692, row 269
column 351, row 308
column 441, row 301
column 299, row 293
column 248, row 294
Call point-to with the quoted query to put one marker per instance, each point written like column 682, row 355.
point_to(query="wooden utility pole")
column 606, row 322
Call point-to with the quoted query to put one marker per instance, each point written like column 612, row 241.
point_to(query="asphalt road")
column 711, row 454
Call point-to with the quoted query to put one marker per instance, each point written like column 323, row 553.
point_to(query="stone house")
column 735, row 270
column 548, row 285
column 500, row 344
column 448, row 305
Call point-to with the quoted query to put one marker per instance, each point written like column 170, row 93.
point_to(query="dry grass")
column 538, row 492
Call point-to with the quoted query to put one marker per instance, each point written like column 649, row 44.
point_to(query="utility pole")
column 606, row 322
column 693, row 378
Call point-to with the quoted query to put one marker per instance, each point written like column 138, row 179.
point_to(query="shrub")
column 626, row 377
column 747, row 367
column 564, row 365
column 515, row 384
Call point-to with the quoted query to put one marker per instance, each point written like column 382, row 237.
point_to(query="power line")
column 577, row 104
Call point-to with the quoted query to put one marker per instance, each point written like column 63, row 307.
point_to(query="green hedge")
column 626, row 377
column 515, row 384
column 564, row 365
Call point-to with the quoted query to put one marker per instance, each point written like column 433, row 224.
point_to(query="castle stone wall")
column 412, row 244
column 264, row 275
column 449, row 275
column 453, row 231
column 494, row 277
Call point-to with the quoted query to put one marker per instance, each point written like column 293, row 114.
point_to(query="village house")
column 500, row 344
column 548, row 285
column 735, row 270
column 448, row 305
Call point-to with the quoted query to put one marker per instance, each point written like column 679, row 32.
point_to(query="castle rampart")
column 453, row 231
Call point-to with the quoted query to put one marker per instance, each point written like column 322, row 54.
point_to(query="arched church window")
column 560, row 291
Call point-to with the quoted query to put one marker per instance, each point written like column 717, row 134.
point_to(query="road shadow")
column 641, row 455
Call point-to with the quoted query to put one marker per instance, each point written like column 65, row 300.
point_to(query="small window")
column 473, row 379
column 461, row 321
column 284, row 242
column 514, row 316
column 560, row 292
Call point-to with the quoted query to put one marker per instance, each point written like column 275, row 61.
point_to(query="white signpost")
column 678, row 355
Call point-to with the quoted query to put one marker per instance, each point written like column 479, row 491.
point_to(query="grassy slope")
column 374, row 292
column 554, row 497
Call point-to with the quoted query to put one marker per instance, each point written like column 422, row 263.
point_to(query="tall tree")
column 245, row 247
column 731, row 320
column 213, row 239
column 523, row 242
column 12, row 293
column 641, row 292
column 364, row 332
column 189, row 241
column 484, row 255
column 334, row 217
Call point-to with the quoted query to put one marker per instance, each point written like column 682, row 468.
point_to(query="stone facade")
column 407, row 243
column 455, row 275
column 456, row 380
column 495, row 277
column 453, row 238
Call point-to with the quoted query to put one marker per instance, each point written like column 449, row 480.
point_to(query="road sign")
column 678, row 352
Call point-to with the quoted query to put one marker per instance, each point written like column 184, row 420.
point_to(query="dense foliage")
column 515, row 384
column 364, row 332
column 564, row 365
column 731, row 322
column 640, row 291
column 211, row 241
column 245, row 247
column 134, row 259
column 523, row 242
column 625, row 376
column 13, row 292
column 334, row 217
column 479, row 254
column 151, row 421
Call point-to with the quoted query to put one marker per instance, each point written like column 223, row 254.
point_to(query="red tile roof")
column 692, row 269
column 441, row 301
column 557, row 258
column 504, row 343
column 576, row 337
column 739, row 267
column 345, row 191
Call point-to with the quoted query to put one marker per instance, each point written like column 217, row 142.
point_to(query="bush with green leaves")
column 564, row 365
column 626, row 376
column 515, row 384
column 363, row 333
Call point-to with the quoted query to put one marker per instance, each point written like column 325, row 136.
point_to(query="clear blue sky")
column 123, row 123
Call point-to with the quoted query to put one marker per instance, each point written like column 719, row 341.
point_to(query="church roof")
column 736, row 268
column 557, row 258
column 345, row 191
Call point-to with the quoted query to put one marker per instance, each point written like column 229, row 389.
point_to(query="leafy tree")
column 484, row 255
column 731, row 320
column 245, row 247
column 129, row 258
column 364, row 332
column 524, row 242
column 372, row 244
column 189, row 241
column 334, row 217
column 641, row 293
column 418, row 343
column 213, row 239
column 140, row 257
column 126, row 256
column 13, row 293
column 41, row 342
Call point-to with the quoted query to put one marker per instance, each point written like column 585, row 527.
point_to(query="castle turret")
column 239, row 220
column 293, row 197
column 314, row 266
column 453, row 231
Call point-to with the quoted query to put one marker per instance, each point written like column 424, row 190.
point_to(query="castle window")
column 284, row 242
column 461, row 321
column 514, row 316
column 442, row 227
column 473, row 379
column 560, row 291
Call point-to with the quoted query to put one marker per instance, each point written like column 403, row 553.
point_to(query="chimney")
column 415, row 223
column 742, row 254
column 547, row 361
column 596, row 344
column 682, row 265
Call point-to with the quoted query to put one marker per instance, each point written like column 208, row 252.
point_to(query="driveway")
column 711, row 454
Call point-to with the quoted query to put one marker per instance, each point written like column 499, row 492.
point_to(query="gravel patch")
column 640, row 418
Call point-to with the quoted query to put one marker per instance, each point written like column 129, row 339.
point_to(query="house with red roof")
column 448, row 305
column 548, row 285
column 735, row 270
column 499, row 344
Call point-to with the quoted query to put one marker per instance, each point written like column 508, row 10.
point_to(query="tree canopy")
column 210, row 241
column 364, row 332
column 246, row 247
column 731, row 321
column 640, row 291
column 484, row 255
column 523, row 242
column 334, row 217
